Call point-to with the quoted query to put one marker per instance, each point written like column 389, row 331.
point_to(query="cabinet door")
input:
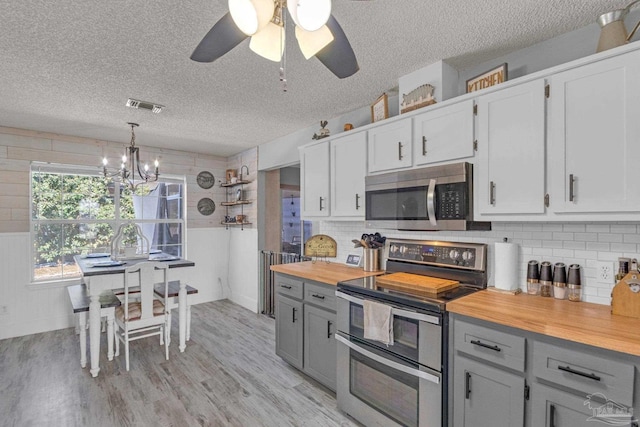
column 555, row 408
column 485, row 396
column 594, row 129
column 348, row 168
column 511, row 151
column 443, row 134
column 320, row 345
column 314, row 174
column 289, row 330
column 389, row 146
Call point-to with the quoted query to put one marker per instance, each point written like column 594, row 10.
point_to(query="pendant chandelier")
column 131, row 168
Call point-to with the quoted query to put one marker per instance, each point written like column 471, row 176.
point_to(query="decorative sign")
column 380, row 109
column 205, row 180
column 206, row 206
column 490, row 78
column 320, row 245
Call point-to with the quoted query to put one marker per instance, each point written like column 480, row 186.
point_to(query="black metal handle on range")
column 328, row 328
column 490, row 347
column 285, row 286
column 317, row 296
column 552, row 416
column 467, row 385
column 591, row 376
column 357, row 201
column 293, row 314
column 399, row 150
column 424, row 145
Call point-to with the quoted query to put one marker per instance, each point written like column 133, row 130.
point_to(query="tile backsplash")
column 572, row 243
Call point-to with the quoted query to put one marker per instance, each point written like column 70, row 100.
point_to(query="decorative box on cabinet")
column 314, row 179
column 389, row 146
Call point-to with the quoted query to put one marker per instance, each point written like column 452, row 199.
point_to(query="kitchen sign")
column 320, row 245
column 487, row 79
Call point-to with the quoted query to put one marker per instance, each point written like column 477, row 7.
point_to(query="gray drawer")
column 286, row 285
column 584, row 372
column 498, row 347
column 321, row 295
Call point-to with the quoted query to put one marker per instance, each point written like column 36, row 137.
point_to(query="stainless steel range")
column 404, row 383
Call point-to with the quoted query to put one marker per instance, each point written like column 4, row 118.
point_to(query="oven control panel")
column 450, row 254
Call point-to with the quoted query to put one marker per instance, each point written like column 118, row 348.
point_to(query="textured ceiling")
column 69, row 66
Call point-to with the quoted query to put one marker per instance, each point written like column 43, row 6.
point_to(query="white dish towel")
column 378, row 322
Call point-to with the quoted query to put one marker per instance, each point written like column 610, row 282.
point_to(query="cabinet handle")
column 321, row 200
column 492, row 193
column 568, row 369
column 357, row 201
column 293, row 315
column 399, row 150
column 490, row 347
column 328, row 328
column 572, row 180
column 467, row 385
column 285, row 286
column 424, row 145
column 552, row 416
column 317, row 296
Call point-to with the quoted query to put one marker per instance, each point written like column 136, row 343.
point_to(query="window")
column 77, row 211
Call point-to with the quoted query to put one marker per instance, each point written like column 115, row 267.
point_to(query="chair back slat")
column 139, row 280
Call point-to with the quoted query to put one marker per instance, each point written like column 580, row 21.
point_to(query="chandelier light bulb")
column 251, row 15
column 156, row 163
column 146, row 167
column 105, row 161
column 124, row 158
column 310, row 14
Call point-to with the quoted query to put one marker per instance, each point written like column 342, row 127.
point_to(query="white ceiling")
column 68, row 66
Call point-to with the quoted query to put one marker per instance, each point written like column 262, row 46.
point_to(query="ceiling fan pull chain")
column 283, row 60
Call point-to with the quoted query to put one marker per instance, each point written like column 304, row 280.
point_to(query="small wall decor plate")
column 320, row 245
column 206, row 206
column 205, row 180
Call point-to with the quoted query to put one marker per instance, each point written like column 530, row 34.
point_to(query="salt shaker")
column 559, row 281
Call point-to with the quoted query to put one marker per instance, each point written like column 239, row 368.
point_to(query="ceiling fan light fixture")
column 311, row 15
column 312, row 42
column 251, row 15
column 269, row 42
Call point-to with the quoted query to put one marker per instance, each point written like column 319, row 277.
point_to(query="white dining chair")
column 173, row 301
column 141, row 315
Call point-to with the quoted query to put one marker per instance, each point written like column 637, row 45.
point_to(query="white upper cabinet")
column 443, row 134
column 348, row 169
column 314, row 179
column 594, row 137
column 510, row 172
column 389, row 146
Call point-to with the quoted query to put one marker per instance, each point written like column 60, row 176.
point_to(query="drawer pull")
column 293, row 315
column 591, row 376
column 552, row 416
column 467, row 385
column 490, row 347
column 317, row 296
column 285, row 286
column 328, row 328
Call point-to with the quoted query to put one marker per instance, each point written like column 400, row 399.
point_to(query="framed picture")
column 488, row 78
column 380, row 109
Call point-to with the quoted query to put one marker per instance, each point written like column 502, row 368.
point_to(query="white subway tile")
column 631, row 238
column 552, row 227
column 607, row 237
column 598, row 228
column 586, row 237
column 554, row 244
column 568, row 244
column 562, row 236
column 624, row 228
column 562, row 253
column 574, row 228
column 596, row 246
column 624, row 247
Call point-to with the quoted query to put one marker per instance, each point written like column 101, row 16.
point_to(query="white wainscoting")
column 243, row 267
column 28, row 310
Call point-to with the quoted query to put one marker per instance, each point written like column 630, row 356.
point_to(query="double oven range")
column 404, row 383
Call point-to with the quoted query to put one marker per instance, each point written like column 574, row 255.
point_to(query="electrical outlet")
column 605, row 272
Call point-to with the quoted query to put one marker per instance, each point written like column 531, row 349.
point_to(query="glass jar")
column 559, row 290
column 574, row 293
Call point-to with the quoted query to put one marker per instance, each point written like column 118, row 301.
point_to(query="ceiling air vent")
column 145, row 105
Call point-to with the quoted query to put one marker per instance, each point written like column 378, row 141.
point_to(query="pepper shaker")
column 546, row 279
column 533, row 278
column 574, row 283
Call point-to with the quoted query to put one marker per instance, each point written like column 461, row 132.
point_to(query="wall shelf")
column 234, row 198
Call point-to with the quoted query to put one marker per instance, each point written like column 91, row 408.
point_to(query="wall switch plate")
column 605, row 273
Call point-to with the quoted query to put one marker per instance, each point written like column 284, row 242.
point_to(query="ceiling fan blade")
column 221, row 38
column 338, row 56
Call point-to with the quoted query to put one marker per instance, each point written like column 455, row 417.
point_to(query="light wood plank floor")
column 229, row 375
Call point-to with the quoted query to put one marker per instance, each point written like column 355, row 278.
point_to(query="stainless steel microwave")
column 431, row 198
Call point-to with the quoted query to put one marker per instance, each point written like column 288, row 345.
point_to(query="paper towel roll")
column 506, row 262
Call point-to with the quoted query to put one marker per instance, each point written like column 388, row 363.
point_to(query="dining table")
column 101, row 274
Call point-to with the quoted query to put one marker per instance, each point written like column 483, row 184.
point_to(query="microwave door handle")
column 388, row 363
column 434, row 320
column 431, row 203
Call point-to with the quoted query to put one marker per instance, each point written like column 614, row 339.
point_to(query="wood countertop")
column 582, row 322
column 320, row 271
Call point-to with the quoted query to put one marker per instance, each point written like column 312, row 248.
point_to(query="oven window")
column 405, row 332
column 391, row 392
column 397, row 204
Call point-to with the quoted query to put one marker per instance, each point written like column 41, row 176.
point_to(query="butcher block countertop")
column 582, row 322
column 320, row 271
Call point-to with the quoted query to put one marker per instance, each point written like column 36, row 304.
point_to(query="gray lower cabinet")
column 505, row 376
column 289, row 330
column 305, row 327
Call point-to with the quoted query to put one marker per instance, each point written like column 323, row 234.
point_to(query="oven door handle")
column 394, row 311
column 388, row 363
column 431, row 203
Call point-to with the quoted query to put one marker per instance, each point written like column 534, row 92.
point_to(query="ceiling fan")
column 317, row 31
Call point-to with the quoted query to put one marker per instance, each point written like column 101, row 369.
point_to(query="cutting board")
column 624, row 301
column 432, row 285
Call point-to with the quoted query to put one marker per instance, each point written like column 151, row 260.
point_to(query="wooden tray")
column 432, row 285
column 624, row 301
